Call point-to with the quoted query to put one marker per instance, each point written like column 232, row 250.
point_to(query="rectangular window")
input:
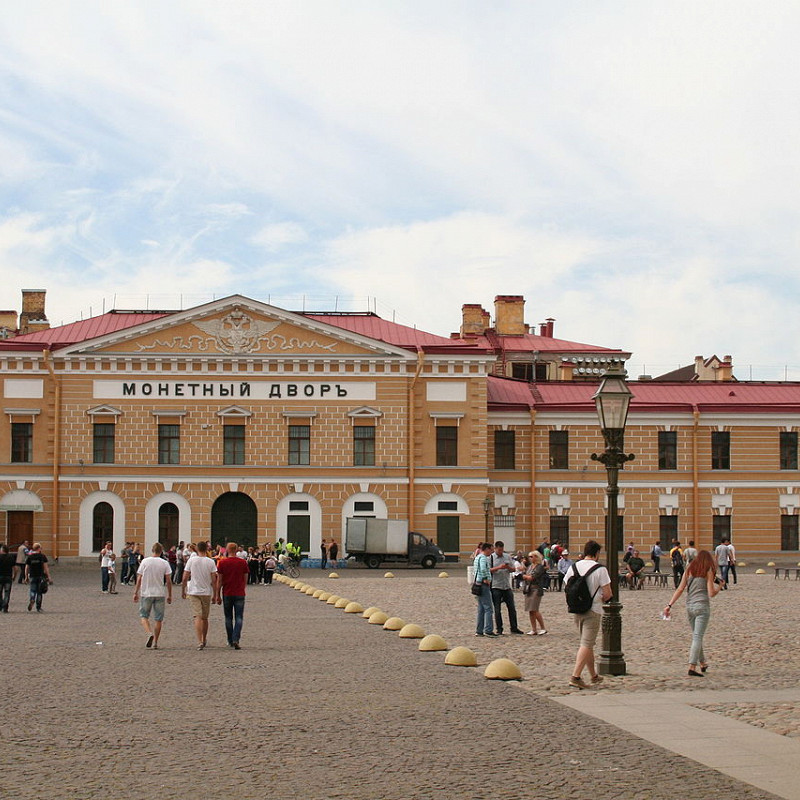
column 299, row 444
column 789, row 532
column 720, row 450
column 522, row 371
column 103, row 442
column 721, row 529
column 233, row 444
column 559, row 449
column 169, row 444
column 446, row 446
column 363, row 506
column 21, row 442
column 559, row 531
column 788, row 450
column 364, row 446
column 668, row 450
column 505, row 444
column 667, row 531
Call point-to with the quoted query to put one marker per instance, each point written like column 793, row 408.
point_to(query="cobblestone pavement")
column 320, row 704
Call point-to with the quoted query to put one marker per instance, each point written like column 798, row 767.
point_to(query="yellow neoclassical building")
column 240, row 420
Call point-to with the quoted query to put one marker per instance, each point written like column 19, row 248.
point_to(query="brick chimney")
column 8, row 322
column 33, row 318
column 509, row 313
column 474, row 320
column 725, row 369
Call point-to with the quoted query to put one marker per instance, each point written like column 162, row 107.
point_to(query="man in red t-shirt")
column 233, row 574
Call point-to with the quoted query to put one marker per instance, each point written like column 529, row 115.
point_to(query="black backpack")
column 579, row 598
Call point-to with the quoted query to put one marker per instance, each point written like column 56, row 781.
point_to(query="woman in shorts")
column 534, row 591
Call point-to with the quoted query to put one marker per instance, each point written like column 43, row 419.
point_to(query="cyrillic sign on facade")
column 230, row 390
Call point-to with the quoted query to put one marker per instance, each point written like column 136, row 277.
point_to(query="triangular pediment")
column 237, row 327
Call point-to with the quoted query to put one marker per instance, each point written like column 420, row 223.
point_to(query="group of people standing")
column 329, row 553
column 28, row 565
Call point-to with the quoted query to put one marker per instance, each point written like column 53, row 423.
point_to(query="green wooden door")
column 448, row 534
column 298, row 531
column 234, row 519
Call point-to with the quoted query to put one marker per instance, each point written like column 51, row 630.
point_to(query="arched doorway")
column 102, row 526
column 168, row 520
column 234, row 519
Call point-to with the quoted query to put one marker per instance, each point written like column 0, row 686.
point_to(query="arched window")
column 168, row 516
column 102, row 526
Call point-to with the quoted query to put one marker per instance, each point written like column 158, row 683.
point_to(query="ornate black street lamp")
column 612, row 400
column 487, row 505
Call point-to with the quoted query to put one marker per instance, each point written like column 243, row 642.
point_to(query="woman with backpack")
column 533, row 588
column 701, row 584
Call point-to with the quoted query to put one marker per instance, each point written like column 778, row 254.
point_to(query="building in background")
column 240, row 420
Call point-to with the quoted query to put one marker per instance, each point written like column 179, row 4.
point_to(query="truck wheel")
column 428, row 562
column 373, row 562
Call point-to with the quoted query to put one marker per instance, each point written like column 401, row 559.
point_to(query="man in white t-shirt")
column 200, row 583
column 106, row 555
column 153, row 588
column 588, row 624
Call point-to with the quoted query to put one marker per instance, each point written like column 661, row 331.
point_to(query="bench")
column 648, row 578
column 786, row 571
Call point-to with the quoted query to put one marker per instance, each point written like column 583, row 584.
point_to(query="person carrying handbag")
column 483, row 578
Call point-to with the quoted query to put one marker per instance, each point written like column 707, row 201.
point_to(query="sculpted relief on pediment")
column 240, row 333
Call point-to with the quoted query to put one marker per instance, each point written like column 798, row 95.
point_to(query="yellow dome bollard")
column 316, row 593
column 443, row 575
column 378, row 618
column 432, row 642
column 411, row 631
column 310, row 590
column 353, row 608
column 299, row 587
column 741, row 563
column 502, row 669
column 761, row 572
column 341, row 603
column 333, row 599
column 325, row 596
column 461, row 657
column 388, row 575
column 293, row 584
column 770, row 563
column 334, row 575
column 368, row 612
column 394, row 624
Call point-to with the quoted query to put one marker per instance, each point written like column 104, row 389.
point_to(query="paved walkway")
column 673, row 721
column 320, row 704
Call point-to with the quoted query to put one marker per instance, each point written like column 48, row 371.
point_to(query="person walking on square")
column 8, row 571
column 483, row 577
column 153, row 590
column 22, row 554
column 501, row 565
column 588, row 623
column 676, row 557
column 333, row 553
column 655, row 555
column 731, row 563
column 533, row 589
column 112, row 575
column 200, row 582
column 105, row 560
column 722, row 556
column 233, row 574
column 37, row 574
column 699, row 582
column 323, row 551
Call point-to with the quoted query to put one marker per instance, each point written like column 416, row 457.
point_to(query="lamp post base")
column 611, row 659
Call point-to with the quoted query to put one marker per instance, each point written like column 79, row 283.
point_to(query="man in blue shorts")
column 153, row 589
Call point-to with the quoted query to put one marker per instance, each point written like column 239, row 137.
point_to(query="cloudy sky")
column 631, row 168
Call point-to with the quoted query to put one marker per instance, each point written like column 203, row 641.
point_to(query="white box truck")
column 374, row 541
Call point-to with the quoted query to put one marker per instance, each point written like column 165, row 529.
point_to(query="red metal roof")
column 649, row 396
column 530, row 342
column 393, row 333
column 85, row 329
